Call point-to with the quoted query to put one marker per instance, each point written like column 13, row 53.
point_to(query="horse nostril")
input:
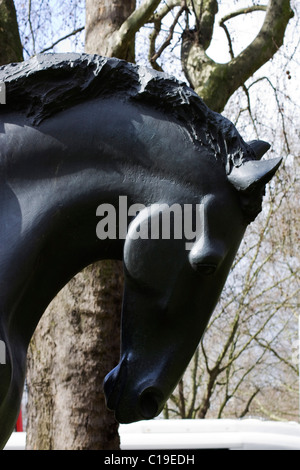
column 205, row 269
column 149, row 402
column 207, row 256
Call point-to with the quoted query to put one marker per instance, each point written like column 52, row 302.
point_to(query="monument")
column 78, row 132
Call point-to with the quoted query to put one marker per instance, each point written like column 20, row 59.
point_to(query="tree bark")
column 75, row 345
column 103, row 19
column 10, row 44
column 118, row 35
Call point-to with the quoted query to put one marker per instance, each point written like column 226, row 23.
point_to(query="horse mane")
column 49, row 83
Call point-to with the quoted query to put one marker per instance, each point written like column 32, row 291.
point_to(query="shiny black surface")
column 79, row 131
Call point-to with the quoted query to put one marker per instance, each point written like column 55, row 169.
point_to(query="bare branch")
column 267, row 345
column 230, row 338
column 228, row 39
column 205, row 356
column 76, row 31
column 170, row 35
column 279, row 107
column 156, row 19
column 196, row 16
column 181, row 399
column 272, row 416
column 164, row 10
column 208, row 80
column 254, row 336
column 267, row 42
column 242, row 11
column 30, row 27
column 247, row 407
column 205, row 12
column 134, row 22
column 246, row 91
column 194, row 384
column 153, row 36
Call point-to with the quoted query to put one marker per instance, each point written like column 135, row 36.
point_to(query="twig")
column 181, row 399
column 246, row 91
column 30, row 27
column 228, row 39
column 242, row 11
column 170, row 35
column 157, row 19
column 246, row 409
column 63, row 38
column 278, row 106
column 196, row 16
column 132, row 25
column 276, row 354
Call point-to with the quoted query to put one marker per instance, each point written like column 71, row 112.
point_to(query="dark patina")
column 78, row 131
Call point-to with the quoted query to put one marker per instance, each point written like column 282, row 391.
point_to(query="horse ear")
column 253, row 174
column 259, row 147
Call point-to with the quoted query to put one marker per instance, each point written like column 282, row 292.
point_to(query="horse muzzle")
column 129, row 403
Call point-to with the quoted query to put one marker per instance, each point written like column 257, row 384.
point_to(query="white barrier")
column 246, row 434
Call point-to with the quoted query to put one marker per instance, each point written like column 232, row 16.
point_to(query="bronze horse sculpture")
column 77, row 132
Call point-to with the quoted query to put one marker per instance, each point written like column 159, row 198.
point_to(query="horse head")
column 60, row 155
column 171, row 292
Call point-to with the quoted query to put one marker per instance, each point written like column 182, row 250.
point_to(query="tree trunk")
column 77, row 341
column 10, row 43
column 103, row 19
column 75, row 345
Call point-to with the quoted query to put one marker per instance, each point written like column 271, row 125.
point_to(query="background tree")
column 246, row 362
column 190, row 24
column 11, row 48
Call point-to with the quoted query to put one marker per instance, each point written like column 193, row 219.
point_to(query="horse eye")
column 205, row 269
